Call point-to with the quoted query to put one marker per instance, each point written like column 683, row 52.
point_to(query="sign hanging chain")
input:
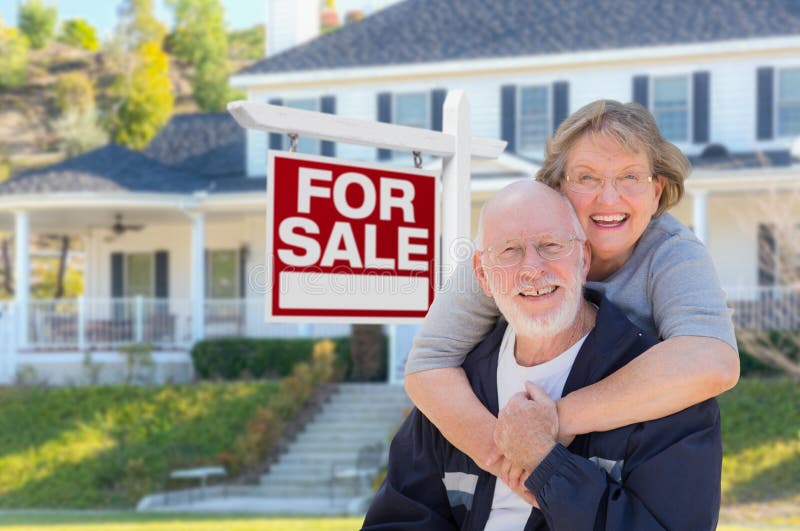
column 292, row 142
column 417, row 159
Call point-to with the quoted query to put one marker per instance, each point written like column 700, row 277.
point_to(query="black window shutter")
column 702, row 111
column 767, row 264
column 327, row 105
column 764, row 103
column 560, row 103
column 117, row 275
column 275, row 139
column 385, row 116
column 437, row 106
column 640, row 90
column 508, row 116
column 162, row 274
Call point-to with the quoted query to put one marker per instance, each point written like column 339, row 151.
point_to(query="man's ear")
column 480, row 272
column 587, row 260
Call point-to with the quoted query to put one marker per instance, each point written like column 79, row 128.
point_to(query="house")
column 174, row 236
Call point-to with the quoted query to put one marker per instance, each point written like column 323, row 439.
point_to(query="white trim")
column 555, row 61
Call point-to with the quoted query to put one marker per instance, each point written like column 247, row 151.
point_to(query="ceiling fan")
column 119, row 228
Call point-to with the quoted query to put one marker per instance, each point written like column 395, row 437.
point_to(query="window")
column 222, row 274
column 788, row 97
column 304, row 144
column 139, row 275
column 671, row 107
column 410, row 109
column 533, row 119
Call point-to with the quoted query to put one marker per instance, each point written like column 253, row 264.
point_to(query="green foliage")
column 80, row 131
column 768, row 352
column 232, row 358
column 145, row 97
column 74, row 91
column 199, row 38
column 761, row 438
column 138, row 26
column 247, row 44
column 79, row 33
column 139, row 363
column 13, row 57
column 37, row 21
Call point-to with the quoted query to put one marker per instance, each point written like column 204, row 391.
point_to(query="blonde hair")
column 634, row 128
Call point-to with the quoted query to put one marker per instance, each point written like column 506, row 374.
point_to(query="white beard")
column 552, row 323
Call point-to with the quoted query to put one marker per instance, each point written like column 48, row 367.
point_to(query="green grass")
column 105, row 447
column 761, row 438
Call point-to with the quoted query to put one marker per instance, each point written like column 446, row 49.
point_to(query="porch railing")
column 99, row 324
column 761, row 308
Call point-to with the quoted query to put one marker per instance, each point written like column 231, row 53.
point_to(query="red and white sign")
column 349, row 241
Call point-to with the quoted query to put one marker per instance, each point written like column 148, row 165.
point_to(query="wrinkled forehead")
column 620, row 148
column 523, row 215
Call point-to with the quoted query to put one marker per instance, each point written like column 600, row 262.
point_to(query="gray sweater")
column 668, row 287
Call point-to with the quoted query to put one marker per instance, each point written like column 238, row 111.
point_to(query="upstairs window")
column 534, row 121
column 671, row 107
column 411, row 109
column 788, row 99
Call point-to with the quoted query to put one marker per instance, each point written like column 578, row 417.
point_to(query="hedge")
column 233, row 358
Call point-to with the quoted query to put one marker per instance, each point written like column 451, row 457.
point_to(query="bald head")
column 526, row 206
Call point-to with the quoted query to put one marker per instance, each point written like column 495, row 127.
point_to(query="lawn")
column 130, row 521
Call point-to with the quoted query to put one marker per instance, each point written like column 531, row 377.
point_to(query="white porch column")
column 197, row 291
column 21, row 275
column 700, row 214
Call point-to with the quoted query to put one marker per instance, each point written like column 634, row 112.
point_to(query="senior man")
column 664, row 474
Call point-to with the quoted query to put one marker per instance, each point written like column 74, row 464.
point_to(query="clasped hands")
column 526, row 431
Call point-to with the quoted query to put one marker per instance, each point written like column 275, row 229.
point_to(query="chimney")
column 291, row 22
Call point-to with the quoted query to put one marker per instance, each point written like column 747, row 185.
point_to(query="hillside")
column 28, row 115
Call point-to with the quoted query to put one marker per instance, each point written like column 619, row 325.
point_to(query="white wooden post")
column 139, row 318
column 198, row 276
column 81, row 323
column 456, row 201
column 700, row 214
column 21, row 275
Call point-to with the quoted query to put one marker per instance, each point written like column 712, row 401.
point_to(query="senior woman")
column 621, row 175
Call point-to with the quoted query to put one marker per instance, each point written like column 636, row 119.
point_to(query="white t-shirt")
column 509, row 511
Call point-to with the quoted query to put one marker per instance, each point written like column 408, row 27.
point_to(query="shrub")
column 37, row 21
column 751, row 364
column 79, row 33
column 74, row 91
column 230, row 358
column 13, row 57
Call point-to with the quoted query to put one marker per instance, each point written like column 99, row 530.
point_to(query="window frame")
column 548, row 118
column 689, row 105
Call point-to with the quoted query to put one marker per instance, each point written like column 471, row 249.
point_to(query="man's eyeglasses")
column 630, row 183
column 550, row 246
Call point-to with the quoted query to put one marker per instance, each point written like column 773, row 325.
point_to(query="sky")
column 102, row 14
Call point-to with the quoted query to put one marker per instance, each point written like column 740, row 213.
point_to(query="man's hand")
column 527, row 429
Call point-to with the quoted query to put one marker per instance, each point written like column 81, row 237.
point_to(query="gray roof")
column 111, row 168
column 419, row 31
column 211, row 145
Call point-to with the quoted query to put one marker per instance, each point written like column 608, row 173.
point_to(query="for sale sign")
column 349, row 241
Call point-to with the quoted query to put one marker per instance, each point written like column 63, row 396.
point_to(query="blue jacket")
column 661, row 474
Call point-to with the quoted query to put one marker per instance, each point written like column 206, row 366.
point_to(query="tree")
column 74, row 91
column 13, row 57
column 80, row 131
column 367, row 351
column 137, row 24
column 199, row 38
column 145, row 98
column 768, row 319
column 79, row 33
column 37, row 21
column 247, row 44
